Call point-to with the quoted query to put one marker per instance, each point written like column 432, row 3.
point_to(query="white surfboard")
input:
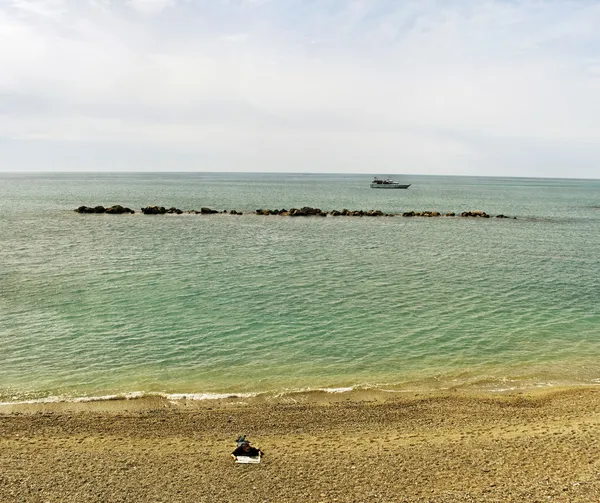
column 247, row 459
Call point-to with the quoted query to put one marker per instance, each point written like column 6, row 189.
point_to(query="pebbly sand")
column 349, row 447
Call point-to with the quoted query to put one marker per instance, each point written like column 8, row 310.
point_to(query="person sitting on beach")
column 245, row 449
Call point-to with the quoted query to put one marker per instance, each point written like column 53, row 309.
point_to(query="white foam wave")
column 132, row 395
column 80, row 399
column 207, row 396
column 179, row 397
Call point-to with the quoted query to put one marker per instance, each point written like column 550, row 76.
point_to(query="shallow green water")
column 95, row 305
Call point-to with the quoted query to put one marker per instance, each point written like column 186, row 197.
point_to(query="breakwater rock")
column 210, row 211
column 305, row 211
column 113, row 210
column 160, row 210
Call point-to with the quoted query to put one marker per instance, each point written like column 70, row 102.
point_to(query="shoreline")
column 443, row 447
column 139, row 401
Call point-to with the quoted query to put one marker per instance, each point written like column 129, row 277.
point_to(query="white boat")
column 377, row 183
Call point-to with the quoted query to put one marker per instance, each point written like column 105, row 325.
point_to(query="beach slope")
column 319, row 447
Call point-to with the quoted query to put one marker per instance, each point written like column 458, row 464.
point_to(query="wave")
column 307, row 394
column 135, row 395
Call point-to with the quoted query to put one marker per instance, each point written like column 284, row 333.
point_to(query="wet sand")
column 349, row 447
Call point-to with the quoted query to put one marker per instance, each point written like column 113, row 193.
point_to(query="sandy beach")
column 348, row 447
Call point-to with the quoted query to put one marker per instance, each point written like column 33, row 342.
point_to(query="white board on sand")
column 247, row 459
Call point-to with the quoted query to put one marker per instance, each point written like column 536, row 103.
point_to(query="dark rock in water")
column 478, row 213
column 316, row 211
column 118, row 210
column 306, row 211
column 293, row 212
column 85, row 209
column 154, row 210
column 113, row 210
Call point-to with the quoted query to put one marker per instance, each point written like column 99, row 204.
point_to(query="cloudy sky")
column 498, row 87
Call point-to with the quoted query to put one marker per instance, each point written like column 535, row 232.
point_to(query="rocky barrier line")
column 306, row 211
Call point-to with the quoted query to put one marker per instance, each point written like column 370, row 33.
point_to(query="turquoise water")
column 98, row 305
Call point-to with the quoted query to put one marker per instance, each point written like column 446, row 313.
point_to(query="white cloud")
column 234, row 37
column 362, row 85
column 53, row 9
column 150, row 6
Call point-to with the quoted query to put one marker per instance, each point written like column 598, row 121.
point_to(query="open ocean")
column 205, row 305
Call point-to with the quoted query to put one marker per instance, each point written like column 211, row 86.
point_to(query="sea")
column 99, row 306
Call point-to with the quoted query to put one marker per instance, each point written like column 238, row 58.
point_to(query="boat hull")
column 389, row 186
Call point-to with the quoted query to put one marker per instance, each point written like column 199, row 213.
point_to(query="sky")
column 472, row 87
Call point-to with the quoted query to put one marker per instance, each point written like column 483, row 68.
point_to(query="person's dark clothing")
column 251, row 451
